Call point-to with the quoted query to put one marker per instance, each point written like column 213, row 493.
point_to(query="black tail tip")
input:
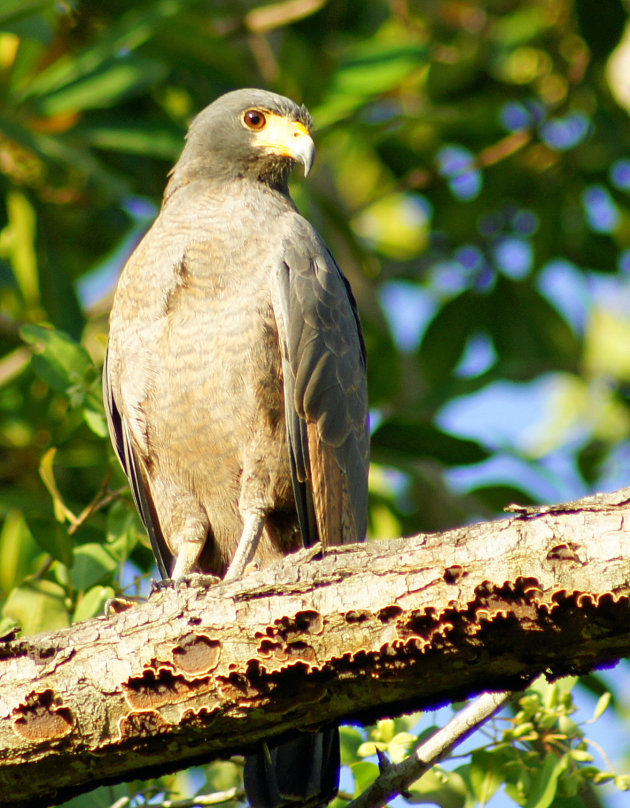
column 302, row 772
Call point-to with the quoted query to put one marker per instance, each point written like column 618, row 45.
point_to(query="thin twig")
column 216, row 798
column 103, row 498
column 200, row 801
column 602, row 752
column 397, row 778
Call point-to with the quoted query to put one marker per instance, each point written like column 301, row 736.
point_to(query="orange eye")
column 254, row 119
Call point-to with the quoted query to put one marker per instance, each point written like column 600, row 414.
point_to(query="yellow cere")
column 280, row 134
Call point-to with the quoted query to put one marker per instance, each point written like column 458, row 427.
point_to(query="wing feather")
column 324, row 367
column 121, row 440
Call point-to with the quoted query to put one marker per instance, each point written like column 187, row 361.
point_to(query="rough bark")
column 367, row 631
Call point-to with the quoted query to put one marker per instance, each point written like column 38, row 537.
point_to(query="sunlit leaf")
column 14, row 10
column 60, row 361
column 20, row 239
column 92, row 603
column 53, row 538
column 138, row 139
column 364, row 774
column 47, row 473
column 126, row 33
column 222, row 775
column 110, row 83
column 544, row 785
column 439, row 787
column 351, row 739
column 92, row 564
column 103, row 797
column 37, row 605
column 602, row 704
column 374, row 67
column 399, row 746
column 17, row 550
column 623, row 782
column 486, row 774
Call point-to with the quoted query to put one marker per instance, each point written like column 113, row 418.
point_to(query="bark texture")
column 367, row 631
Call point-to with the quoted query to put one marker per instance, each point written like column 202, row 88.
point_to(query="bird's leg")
column 188, row 544
column 253, row 522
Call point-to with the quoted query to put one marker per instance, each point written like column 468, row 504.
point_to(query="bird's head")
column 249, row 133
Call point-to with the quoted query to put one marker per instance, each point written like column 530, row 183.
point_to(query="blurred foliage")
column 473, row 182
column 538, row 756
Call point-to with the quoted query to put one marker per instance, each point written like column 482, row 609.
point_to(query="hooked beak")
column 289, row 139
column 304, row 149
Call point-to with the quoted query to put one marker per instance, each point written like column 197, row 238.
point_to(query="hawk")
column 235, row 381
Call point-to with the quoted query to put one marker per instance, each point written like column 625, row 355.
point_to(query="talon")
column 196, row 579
column 159, row 585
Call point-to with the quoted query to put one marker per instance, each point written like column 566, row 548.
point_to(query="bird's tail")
column 302, row 771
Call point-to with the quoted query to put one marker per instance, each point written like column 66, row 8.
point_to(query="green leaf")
column 364, row 774
column 351, row 739
column 446, row 337
column 406, row 723
column 95, row 419
column 93, row 564
column 399, row 746
column 109, row 84
column 486, row 774
column 14, row 10
column 17, row 550
column 384, row 730
column 601, row 706
column 53, row 538
column 93, row 603
column 538, row 339
column 407, row 440
column 581, row 755
column 134, row 139
column 439, row 787
column 21, row 238
column 603, row 777
column 222, row 775
column 47, row 473
column 126, row 33
column 123, row 527
column 103, row 797
column 545, row 783
column 375, row 67
column 60, row 152
column 38, row 605
column 623, row 782
column 60, row 361
column 496, row 497
column 368, row 68
column 369, row 748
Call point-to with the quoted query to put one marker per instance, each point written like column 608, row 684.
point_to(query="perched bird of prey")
column 235, row 381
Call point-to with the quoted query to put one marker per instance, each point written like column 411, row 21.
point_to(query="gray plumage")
column 235, row 378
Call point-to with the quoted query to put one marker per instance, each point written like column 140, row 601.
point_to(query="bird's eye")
column 254, row 119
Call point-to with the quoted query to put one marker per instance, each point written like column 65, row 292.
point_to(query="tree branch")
column 367, row 631
column 396, row 779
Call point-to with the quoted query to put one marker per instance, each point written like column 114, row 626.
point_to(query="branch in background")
column 396, row 779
